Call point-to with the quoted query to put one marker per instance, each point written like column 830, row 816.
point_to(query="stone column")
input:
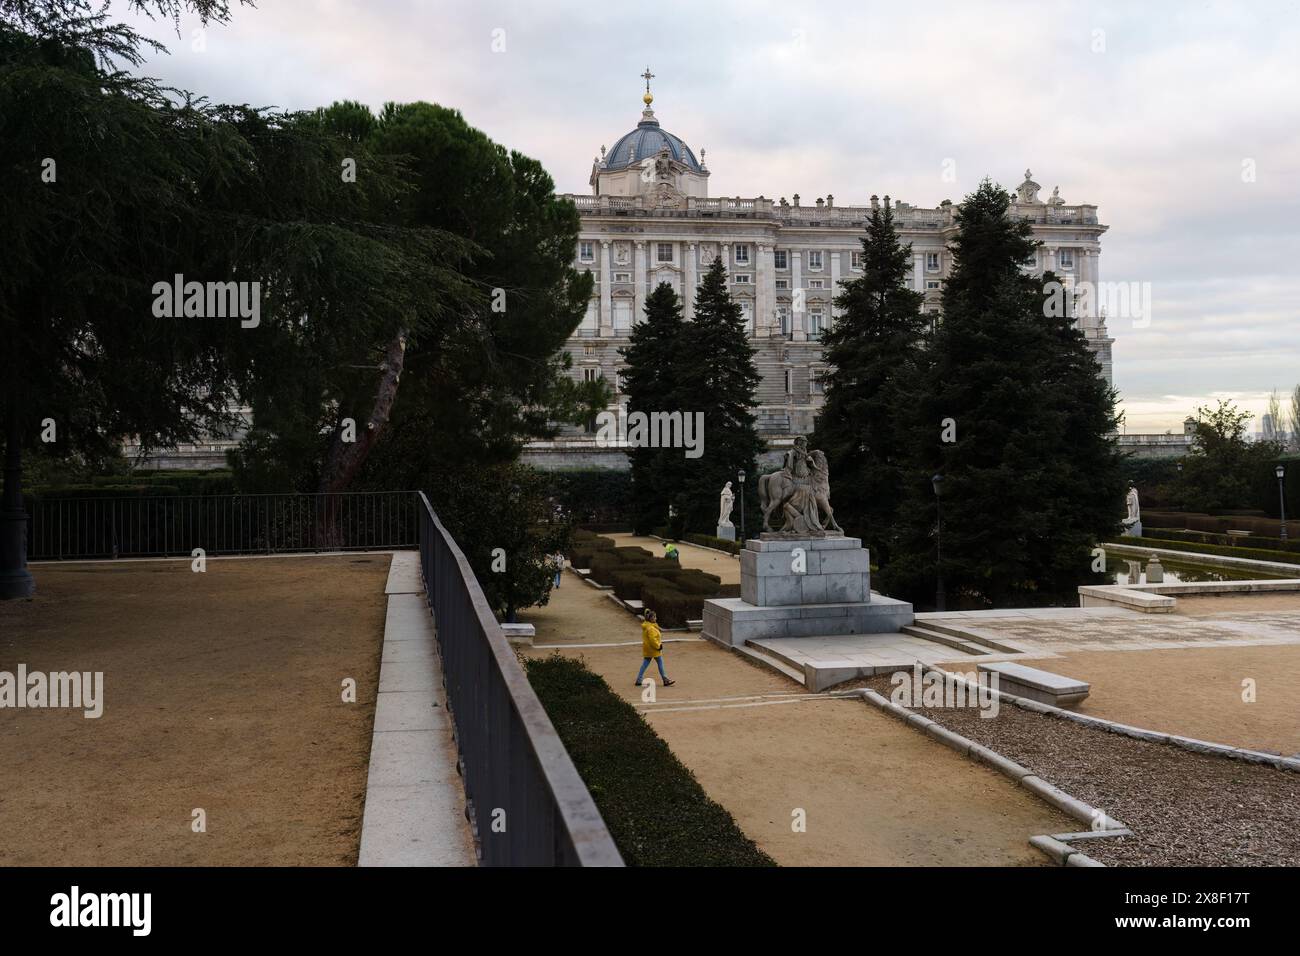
column 1049, row 258
column 606, row 303
column 918, row 271
column 761, row 272
column 638, row 291
column 688, row 280
column 835, row 288
column 798, row 297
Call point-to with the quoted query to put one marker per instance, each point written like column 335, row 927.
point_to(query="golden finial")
column 649, row 97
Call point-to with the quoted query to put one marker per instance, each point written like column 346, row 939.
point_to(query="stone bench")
column 1042, row 686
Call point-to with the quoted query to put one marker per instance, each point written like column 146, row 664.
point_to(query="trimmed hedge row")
column 1225, row 540
column 674, row 593
column 1254, row 554
column 1216, row 524
column 655, row 809
column 709, row 541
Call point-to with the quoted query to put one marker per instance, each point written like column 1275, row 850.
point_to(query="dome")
column 644, row 142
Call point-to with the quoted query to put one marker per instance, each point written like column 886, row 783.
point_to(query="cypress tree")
column 1011, row 411
column 716, row 376
column 650, row 383
column 871, row 351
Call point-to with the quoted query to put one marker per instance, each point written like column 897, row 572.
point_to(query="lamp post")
column 740, row 476
column 1280, row 471
column 940, row 599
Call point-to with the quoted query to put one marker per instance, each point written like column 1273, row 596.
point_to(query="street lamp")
column 1280, row 471
column 940, row 600
column 740, row 476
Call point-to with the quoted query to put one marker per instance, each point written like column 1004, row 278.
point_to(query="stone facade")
column 649, row 219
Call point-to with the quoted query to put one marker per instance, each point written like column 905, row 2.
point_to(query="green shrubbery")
column 674, row 593
column 1251, row 543
column 652, row 804
column 1254, row 554
column 709, row 541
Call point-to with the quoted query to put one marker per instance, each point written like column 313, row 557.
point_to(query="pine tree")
column 650, row 383
column 872, row 351
column 716, row 375
column 1011, row 412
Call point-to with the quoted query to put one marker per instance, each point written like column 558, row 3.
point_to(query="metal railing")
column 530, row 805
column 158, row 526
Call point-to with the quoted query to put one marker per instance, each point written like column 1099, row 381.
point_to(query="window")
column 815, row 383
column 591, row 374
column 665, row 252
column 781, row 259
column 747, row 315
column 815, row 261
column 742, row 255
column 783, row 284
column 586, row 252
column 742, row 278
column 816, row 284
column 789, row 381
column 783, row 319
column 932, row 284
column 856, row 261
column 622, row 315
column 622, row 277
column 932, row 261
column 1067, row 258
column 815, row 320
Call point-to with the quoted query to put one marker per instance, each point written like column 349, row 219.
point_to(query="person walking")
column 557, row 562
column 652, row 648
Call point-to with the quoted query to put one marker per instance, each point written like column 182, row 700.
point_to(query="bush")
column 719, row 544
column 1254, row 554
column 634, row 554
column 673, row 606
column 1225, row 540
column 694, row 581
column 627, row 583
column 652, row 804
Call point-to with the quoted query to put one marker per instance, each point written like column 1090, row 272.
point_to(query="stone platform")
column 803, row 587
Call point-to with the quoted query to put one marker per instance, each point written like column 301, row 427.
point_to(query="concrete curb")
column 1055, row 848
column 1139, row 733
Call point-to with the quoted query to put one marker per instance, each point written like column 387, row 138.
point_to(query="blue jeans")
column 646, row 663
column 558, row 575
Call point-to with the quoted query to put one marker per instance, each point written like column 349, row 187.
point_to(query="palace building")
column 650, row 219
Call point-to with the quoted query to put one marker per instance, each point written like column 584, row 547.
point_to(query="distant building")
column 1166, row 445
column 649, row 219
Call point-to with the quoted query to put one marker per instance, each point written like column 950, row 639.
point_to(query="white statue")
column 1134, row 510
column 726, row 503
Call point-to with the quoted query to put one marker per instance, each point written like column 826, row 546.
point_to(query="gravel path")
column 1184, row 808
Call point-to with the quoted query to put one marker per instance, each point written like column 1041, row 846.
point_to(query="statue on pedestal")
column 800, row 492
column 727, row 502
column 1133, row 519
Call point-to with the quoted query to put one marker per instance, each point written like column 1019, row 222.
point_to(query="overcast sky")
column 1157, row 115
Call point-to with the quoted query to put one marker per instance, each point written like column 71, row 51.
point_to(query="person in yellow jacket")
column 652, row 649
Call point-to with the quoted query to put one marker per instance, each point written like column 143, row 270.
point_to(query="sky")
column 1180, row 121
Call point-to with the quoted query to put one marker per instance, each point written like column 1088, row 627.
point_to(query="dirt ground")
column 875, row 792
column 1246, row 603
column 1195, row 692
column 222, row 693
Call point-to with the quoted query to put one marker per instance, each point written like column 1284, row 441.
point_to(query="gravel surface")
column 1184, row 808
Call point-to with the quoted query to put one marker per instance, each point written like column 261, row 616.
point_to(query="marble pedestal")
column 803, row 588
column 1132, row 529
column 727, row 531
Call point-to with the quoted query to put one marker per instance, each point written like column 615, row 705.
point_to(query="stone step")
column 935, row 631
column 771, row 659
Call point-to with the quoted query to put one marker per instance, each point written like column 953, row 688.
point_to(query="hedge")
column 655, row 809
column 1216, row 524
column 672, row 607
column 1205, row 537
column 1255, row 554
column 709, row 541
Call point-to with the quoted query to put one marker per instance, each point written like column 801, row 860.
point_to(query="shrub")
column 694, row 581
column 636, row 554
column 1254, row 554
column 652, row 804
column 673, row 607
column 720, row 544
column 627, row 583
column 1205, row 537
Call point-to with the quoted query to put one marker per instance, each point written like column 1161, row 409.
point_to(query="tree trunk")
column 344, row 460
column 15, row 580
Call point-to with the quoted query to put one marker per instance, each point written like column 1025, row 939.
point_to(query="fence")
column 72, row 528
column 531, row 807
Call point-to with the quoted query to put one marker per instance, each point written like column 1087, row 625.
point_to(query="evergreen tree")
column 872, row 351
column 1011, row 412
column 716, row 375
column 651, row 383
